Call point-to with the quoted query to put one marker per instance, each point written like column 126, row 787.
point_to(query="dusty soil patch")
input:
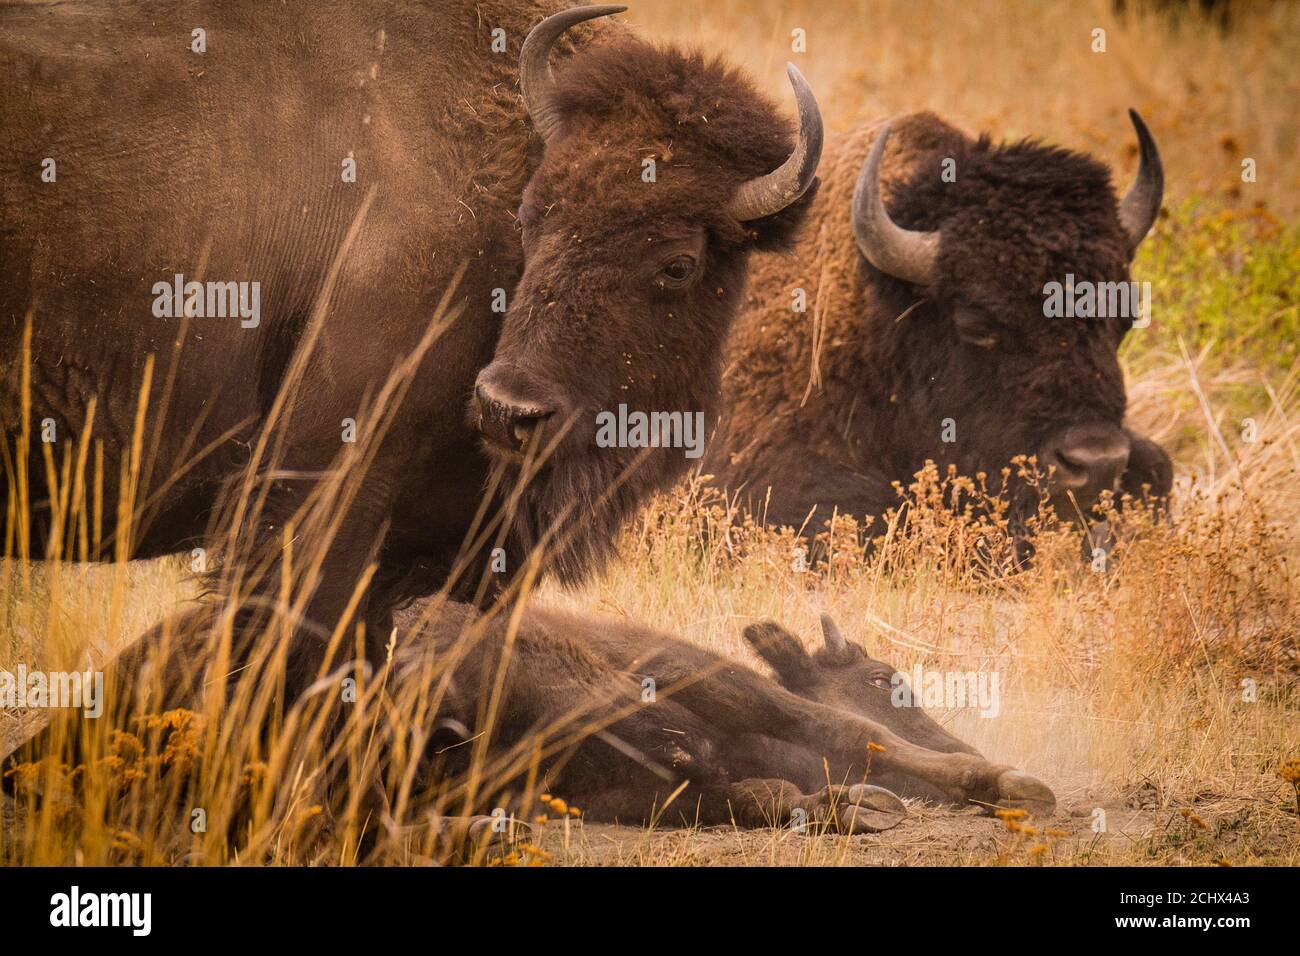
column 1235, row 830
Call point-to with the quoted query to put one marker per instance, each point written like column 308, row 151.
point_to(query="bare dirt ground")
column 1255, row 831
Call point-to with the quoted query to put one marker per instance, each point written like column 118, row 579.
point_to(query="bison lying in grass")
column 621, row 716
column 927, row 266
column 476, row 713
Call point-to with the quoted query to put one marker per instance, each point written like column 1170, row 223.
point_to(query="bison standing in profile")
column 925, row 262
column 356, row 170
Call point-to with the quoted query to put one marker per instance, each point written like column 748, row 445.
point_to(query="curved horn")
column 770, row 193
column 534, row 69
column 895, row 251
column 835, row 642
column 1137, row 211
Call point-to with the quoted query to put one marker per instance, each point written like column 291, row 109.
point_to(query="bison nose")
column 510, row 414
column 1086, row 460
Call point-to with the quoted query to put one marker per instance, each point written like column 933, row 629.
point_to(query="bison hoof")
column 870, row 809
column 463, row 838
column 1019, row 791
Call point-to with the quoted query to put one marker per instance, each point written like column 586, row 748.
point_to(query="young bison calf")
column 617, row 718
column 630, row 724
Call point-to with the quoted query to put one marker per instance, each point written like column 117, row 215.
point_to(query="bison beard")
column 594, row 323
column 570, row 510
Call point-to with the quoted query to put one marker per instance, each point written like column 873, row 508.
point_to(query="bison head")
column 984, row 245
column 662, row 171
column 844, row 676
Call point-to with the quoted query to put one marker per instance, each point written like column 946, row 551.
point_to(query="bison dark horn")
column 895, row 251
column 768, row 194
column 835, row 642
column 534, row 67
column 1137, row 211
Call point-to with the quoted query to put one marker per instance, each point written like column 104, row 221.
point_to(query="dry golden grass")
column 1015, row 68
column 1123, row 690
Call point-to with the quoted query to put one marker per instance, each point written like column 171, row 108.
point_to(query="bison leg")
column 338, row 534
column 641, row 762
column 759, row 802
column 458, row 839
column 740, row 701
column 816, row 482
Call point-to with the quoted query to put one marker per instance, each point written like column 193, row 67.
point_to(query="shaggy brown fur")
column 226, row 166
column 594, row 324
column 829, row 407
column 622, row 716
column 656, row 711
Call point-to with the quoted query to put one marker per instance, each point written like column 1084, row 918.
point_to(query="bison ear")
column 776, row 233
column 782, row 650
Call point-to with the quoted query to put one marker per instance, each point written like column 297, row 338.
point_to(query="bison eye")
column 677, row 271
column 881, row 681
column 974, row 330
column 981, row 341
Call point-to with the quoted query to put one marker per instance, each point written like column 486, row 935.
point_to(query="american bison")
column 623, row 715
column 618, row 717
column 307, row 216
column 927, row 264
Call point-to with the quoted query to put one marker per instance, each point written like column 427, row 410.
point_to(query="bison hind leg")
column 765, row 802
